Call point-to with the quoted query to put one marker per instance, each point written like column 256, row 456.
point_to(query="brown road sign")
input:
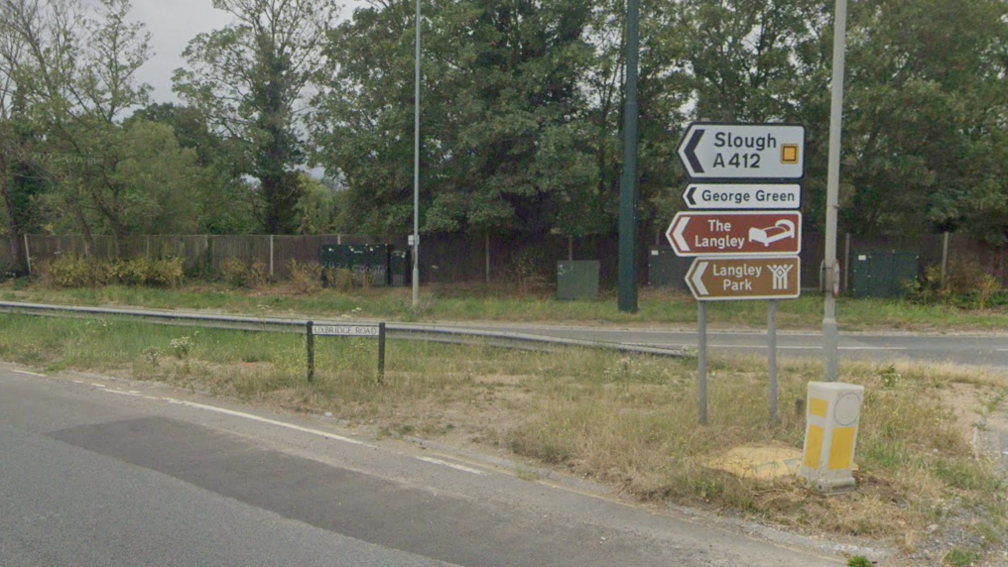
column 737, row 233
column 723, row 279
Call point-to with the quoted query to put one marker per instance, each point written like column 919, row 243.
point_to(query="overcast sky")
column 172, row 23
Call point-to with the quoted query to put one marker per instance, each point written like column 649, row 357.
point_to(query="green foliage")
column 859, row 561
column 181, row 347
column 967, row 285
column 76, row 272
column 959, row 558
column 248, row 76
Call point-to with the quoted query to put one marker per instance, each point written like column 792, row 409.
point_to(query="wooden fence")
column 467, row 258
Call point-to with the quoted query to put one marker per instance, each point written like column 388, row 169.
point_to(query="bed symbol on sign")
column 779, row 231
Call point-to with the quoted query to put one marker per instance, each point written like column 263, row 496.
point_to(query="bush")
column 340, row 279
column 67, row 271
column 75, row 272
column 967, row 285
column 234, row 272
column 258, row 275
column 305, row 277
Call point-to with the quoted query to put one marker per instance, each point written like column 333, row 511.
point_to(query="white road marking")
column 29, row 373
column 252, row 417
column 811, row 347
column 97, row 385
column 462, row 468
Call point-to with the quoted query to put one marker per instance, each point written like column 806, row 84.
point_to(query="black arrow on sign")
column 689, row 195
column 691, row 151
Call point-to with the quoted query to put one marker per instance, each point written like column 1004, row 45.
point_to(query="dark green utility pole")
column 628, row 181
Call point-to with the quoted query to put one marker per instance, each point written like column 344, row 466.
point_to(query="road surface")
column 986, row 350
column 95, row 473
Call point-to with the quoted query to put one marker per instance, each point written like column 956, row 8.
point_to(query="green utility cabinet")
column 578, row 279
column 666, row 269
column 369, row 262
column 883, row 273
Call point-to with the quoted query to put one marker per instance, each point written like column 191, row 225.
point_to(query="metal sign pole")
column 310, row 342
column 772, row 355
column 381, row 351
column 830, row 331
column 702, row 362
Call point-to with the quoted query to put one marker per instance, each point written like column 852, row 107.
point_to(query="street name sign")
column 346, row 330
column 725, row 279
column 734, row 196
column 738, row 233
column 743, row 151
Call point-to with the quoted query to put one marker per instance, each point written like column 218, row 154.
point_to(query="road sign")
column 346, row 330
column 762, row 233
column 735, row 196
column 743, row 151
column 726, row 279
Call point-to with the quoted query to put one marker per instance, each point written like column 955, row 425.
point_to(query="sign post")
column 345, row 330
column 745, row 233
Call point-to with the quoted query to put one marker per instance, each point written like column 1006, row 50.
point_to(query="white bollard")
column 832, row 416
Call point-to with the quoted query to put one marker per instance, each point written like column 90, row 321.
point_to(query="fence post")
column 381, row 352
column 27, row 252
column 271, row 256
column 945, row 247
column 846, row 264
column 310, row 342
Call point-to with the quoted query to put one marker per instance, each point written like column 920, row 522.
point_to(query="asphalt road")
column 101, row 473
column 985, row 350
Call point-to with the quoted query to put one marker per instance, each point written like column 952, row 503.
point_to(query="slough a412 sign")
column 743, row 151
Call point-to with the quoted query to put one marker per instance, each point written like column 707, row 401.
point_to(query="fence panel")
column 451, row 258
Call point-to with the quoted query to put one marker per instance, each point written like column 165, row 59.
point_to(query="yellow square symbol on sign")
column 789, row 153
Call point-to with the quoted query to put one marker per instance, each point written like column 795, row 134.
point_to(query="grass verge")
column 628, row 421
column 471, row 302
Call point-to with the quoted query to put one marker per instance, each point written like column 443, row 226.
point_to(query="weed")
column 305, row 277
column 958, row 558
column 859, row 561
column 181, row 347
column 890, row 377
column 153, row 355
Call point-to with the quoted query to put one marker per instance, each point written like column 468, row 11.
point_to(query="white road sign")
column 743, row 151
column 345, row 330
column 738, row 197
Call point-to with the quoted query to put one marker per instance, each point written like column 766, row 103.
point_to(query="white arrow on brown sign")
column 725, row 279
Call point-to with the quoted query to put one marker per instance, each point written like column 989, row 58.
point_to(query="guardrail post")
column 310, row 340
column 381, row 352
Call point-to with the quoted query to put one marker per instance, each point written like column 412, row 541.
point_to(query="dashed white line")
column 29, row 373
column 462, row 468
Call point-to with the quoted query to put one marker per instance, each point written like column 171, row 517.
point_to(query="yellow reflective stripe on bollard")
column 842, row 449
column 818, row 407
column 814, row 450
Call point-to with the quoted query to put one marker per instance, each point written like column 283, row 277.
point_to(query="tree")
column 248, row 79
column 504, row 146
column 226, row 200
column 78, row 79
column 926, row 107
